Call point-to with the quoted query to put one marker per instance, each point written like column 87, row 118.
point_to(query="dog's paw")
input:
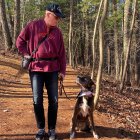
column 72, row 135
column 95, row 136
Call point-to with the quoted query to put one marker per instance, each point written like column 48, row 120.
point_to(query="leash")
column 61, row 88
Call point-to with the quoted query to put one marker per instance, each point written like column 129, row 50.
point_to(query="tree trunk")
column 86, row 43
column 137, row 76
column 116, row 42
column 121, row 53
column 16, row 22
column 70, row 32
column 126, row 36
column 101, row 46
column 128, row 48
column 108, row 60
column 11, row 22
column 126, row 26
column 83, row 41
column 5, row 28
column 0, row 28
column 137, row 50
column 93, row 39
column 23, row 9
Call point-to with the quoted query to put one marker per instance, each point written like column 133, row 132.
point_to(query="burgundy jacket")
column 52, row 47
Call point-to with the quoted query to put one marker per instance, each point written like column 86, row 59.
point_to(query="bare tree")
column 10, row 17
column 101, row 47
column 116, row 42
column 137, row 49
column 23, row 10
column 126, row 38
column 0, row 28
column 16, row 22
column 5, row 28
column 86, row 42
column 70, row 32
column 94, row 35
column 128, row 48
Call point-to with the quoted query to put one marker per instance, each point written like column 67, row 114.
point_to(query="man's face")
column 52, row 18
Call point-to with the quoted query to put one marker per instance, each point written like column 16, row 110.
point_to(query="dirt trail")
column 17, row 120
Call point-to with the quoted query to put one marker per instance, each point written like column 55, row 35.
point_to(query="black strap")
column 45, row 59
column 35, row 50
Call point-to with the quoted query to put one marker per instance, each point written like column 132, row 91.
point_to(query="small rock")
column 6, row 110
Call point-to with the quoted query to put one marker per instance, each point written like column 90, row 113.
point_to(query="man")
column 48, row 65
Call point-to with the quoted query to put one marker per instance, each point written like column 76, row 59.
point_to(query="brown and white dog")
column 83, row 112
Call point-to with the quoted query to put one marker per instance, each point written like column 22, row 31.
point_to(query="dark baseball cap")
column 55, row 8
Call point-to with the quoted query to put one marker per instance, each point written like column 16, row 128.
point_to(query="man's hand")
column 61, row 76
column 27, row 56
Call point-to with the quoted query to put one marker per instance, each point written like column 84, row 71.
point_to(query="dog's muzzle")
column 88, row 94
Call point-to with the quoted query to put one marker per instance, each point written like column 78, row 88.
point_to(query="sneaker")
column 52, row 134
column 41, row 134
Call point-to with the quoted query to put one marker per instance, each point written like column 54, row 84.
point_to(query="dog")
column 82, row 119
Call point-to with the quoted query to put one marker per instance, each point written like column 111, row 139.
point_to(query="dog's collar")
column 85, row 93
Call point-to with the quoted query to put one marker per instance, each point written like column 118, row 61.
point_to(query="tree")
column 137, row 49
column 126, row 37
column 16, row 22
column 5, row 28
column 116, row 41
column 93, row 39
column 101, row 47
column 128, row 47
column 9, row 5
column 87, row 42
column 70, row 32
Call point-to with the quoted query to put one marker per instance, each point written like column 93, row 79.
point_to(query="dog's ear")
column 93, row 87
column 91, row 84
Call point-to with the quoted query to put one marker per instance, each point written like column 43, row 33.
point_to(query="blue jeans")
column 50, row 79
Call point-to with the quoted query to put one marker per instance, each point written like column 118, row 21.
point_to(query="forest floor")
column 117, row 116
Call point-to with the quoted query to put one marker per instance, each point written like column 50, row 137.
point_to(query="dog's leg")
column 95, row 135
column 74, row 122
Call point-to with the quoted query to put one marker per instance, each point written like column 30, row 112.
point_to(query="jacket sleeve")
column 22, row 40
column 62, row 56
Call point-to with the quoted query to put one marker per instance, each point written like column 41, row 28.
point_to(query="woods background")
column 102, row 35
